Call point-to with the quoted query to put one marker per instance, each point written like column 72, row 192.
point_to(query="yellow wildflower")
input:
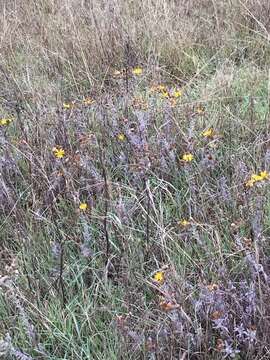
column 187, row 157
column 176, row 93
column 159, row 277
column 264, row 175
column 58, row 152
column 184, row 222
column 88, row 101
column 68, row 105
column 256, row 177
column 137, row 71
column 83, row 206
column 4, row 122
column 209, row 133
column 121, row 137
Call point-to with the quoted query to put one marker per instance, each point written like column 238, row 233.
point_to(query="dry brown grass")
column 44, row 41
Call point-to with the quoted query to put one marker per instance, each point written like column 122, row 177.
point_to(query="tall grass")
column 134, row 205
column 72, row 45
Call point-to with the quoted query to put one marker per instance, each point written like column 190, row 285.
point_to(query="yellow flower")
column 184, row 222
column 159, row 277
column 256, row 177
column 83, row 206
column 208, row 133
column 187, row 157
column 264, row 175
column 121, row 137
column 4, row 122
column 66, row 105
column 137, row 71
column 176, row 93
column 88, row 101
column 59, row 152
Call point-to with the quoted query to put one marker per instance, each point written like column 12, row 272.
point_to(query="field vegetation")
column 134, row 179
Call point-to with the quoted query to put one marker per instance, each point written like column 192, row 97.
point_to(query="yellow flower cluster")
column 166, row 92
column 5, row 121
column 71, row 105
column 263, row 175
column 188, row 157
